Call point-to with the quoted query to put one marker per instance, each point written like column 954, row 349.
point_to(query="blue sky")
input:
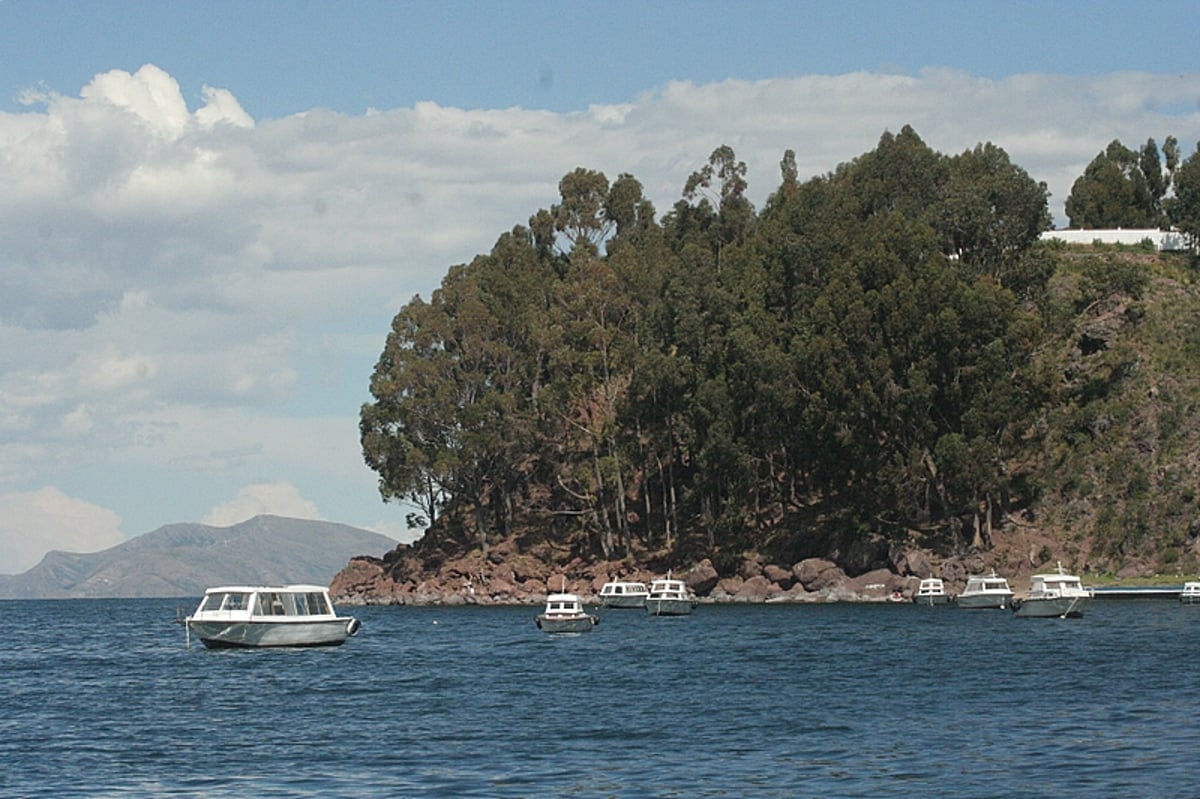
column 212, row 210
column 284, row 57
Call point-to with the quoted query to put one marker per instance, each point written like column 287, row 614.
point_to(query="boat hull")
column 932, row 601
column 984, row 601
column 1052, row 607
column 570, row 624
column 250, row 634
column 624, row 602
column 669, row 607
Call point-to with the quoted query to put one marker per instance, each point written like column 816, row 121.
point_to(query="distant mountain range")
column 181, row 560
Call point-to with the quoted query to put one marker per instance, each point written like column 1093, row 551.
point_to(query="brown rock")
column 751, row 567
column 780, row 576
column 817, row 574
column 874, row 586
column 727, row 587
column 756, row 589
column 702, row 578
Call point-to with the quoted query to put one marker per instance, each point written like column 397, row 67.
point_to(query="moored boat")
column 1058, row 594
column 985, row 591
column 931, row 591
column 267, row 616
column 623, row 594
column 564, row 613
column 670, row 597
column 1190, row 595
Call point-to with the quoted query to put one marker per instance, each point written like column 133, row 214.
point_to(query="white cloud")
column 278, row 499
column 194, row 290
column 35, row 522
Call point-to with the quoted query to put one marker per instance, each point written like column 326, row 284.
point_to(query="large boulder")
column 780, row 576
column 702, row 578
column 874, row 586
column 756, row 589
column 817, row 574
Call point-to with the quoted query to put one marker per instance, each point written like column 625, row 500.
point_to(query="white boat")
column 1050, row 595
column 564, row 613
column 985, row 591
column 931, row 591
column 254, row 616
column 1190, row 595
column 622, row 594
column 670, row 597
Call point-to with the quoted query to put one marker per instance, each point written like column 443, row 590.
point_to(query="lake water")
column 103, row 699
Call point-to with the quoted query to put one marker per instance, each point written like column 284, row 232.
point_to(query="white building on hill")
column 1168, row 240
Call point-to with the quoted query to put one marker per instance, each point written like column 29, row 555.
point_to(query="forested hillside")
column 884, row 355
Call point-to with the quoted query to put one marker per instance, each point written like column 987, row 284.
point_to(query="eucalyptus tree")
column 1115, row 191
column 456, row 388
column 990, row 212
column 1185, row 207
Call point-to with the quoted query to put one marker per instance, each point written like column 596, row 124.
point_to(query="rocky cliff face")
column 506, row 577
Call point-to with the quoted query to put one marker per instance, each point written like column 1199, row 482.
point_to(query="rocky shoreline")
column 510, row 578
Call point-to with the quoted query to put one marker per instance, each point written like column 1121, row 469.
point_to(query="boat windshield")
column 272, row 603
column 226, row 601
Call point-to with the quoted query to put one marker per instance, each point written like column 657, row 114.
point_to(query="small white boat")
column 1190, row 595
column 622, row 594
column 564, row 613
column 931, row 591
column 670, row 597
column 985, row 591
column 1059, row 595
column 256, row 616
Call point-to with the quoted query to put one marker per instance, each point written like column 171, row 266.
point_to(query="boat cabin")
column 931, row 586
column 1051, row 585
column 563, row 605
column 243, row 602
column 669, row 589
column 618, row 589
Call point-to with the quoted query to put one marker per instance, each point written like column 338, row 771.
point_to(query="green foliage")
column 881, row 349
column 1184, row 209
column 1120, row 188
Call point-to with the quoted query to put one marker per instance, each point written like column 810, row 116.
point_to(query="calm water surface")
column 102, row 699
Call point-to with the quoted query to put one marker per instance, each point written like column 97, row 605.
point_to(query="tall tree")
column 990, row 211
column 1185, row 207
column 1114, row 191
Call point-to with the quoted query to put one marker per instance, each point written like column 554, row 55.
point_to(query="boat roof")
column 299, row 588
column 562, row 598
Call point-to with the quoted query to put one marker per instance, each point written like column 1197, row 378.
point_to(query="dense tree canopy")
column 1123, row 188
column 1185, row 206
column 726, row 378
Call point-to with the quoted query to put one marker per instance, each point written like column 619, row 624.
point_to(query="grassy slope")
column 1115, row 462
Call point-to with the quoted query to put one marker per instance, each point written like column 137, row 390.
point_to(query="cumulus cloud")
column 191, row 289
column 278, row 499
column 33, row 523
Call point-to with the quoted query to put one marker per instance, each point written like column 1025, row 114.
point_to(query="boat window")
column 226, row 601
column 317, row 604
column 269, row 604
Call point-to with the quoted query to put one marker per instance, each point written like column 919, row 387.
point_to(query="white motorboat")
column 1190, row 595
column 985, row 591
column 623, row 594
column 564, row 613
column 670, row 597
column 931, row 591
column 1053, row 595
column 259, row 616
